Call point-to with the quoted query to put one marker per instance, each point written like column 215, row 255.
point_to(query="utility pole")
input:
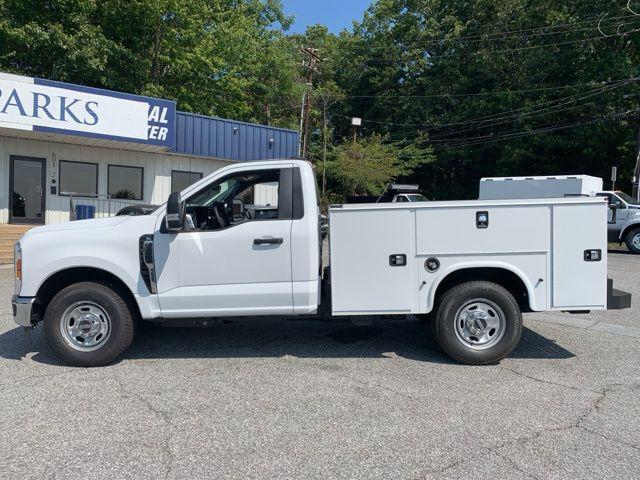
column 636, row 172
column 310, row 65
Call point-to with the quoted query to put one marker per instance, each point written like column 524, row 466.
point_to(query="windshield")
column 417, row 198
column 628, row 198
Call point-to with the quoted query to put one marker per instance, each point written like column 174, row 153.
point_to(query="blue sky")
column 335, row 14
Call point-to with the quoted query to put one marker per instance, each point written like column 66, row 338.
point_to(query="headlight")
column 17, row 264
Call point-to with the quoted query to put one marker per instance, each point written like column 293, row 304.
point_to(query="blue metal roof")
column 232, row 140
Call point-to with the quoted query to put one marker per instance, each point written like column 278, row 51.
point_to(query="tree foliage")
column 530, row 73
column 450, row 90
column 365, row 167
column 221, row 57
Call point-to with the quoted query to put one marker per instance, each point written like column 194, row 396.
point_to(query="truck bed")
column 542, row 241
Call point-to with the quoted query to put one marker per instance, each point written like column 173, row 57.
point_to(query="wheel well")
column 501, row 276
column 625, row 232
column 64, row 278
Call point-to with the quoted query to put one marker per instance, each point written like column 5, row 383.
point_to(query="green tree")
column 485, row 84
column 220, row 57
column 366, row 166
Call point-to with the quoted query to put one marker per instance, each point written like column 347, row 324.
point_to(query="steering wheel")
column 220, row 216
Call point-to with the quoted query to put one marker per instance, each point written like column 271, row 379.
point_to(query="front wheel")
column 478, row 323
column 632, row 239
column 88, row 324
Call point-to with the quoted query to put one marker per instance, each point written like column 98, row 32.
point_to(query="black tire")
column 445, row 323
column 628, row 239
column 111, row 301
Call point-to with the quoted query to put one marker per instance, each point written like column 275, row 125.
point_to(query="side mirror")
column 175, row 213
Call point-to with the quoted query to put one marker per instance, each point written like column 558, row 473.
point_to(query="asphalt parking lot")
column 307, row 399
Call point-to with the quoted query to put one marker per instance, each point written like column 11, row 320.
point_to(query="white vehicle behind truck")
column 624, row 211
column 473, row 266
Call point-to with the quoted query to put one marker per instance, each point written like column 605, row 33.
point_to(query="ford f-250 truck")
column 474, row 266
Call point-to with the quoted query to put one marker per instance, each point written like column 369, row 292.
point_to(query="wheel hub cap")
column 477, row 323
column 85, row 326
column 480, row 324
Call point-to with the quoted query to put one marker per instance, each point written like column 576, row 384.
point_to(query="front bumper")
column 617, row 299
column 23, row 310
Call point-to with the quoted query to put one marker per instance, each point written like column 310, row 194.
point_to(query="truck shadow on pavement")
column 272, row 338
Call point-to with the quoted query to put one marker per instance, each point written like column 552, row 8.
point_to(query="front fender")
column 632, row 221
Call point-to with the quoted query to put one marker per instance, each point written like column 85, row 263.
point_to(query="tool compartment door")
column 578, row 283
column 362, row 278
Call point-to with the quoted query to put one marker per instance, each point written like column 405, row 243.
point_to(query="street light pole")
column 355, row 123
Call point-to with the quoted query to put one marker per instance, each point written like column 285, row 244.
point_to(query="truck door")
column 617, row 216
column 235, row 257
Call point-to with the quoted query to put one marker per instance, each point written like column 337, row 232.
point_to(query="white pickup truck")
column 624, row 210
column 474, row 265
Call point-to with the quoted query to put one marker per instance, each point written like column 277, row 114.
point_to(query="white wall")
column 157, row 170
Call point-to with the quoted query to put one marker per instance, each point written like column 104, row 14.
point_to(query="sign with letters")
column 46, row 106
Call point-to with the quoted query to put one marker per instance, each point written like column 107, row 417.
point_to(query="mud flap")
column 617, row 299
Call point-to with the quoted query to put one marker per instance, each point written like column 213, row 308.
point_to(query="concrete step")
column 10, row 238
column 10, row 234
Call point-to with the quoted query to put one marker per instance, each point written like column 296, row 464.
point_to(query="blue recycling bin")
column 85, row 212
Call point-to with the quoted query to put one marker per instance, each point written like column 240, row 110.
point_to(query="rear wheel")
column 478, row 323
column 88, row 324
column 632, row 239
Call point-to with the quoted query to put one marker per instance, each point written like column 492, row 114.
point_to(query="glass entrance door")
column 26, row 190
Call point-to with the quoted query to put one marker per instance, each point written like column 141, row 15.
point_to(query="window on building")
column 125, row 182
column 181, row 180
column 78, row 178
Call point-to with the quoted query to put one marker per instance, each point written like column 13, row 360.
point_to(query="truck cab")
column 624, row 219
column 409, row 197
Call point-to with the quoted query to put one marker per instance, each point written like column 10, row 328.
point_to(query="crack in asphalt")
column 590, row 329
column 548, row 382
column 611, row 439
column 168, row 454
column 517, row 467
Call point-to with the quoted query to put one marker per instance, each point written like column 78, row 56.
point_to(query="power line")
column 432, row 56
column 531, row 31
column 499, row 116
column 509, row 114
column 543, row 130
column 534, row 47
column 498, row 92
column 562, row 106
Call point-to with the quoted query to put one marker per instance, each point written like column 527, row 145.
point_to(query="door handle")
column 268, row 241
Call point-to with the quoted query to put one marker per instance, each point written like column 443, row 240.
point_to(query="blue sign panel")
column 48, row 106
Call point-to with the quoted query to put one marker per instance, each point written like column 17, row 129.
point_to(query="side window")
column 235, row 199
column 612, row 200
column 617, row 202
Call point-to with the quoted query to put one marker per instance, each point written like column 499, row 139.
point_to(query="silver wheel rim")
column 85, row 326
column 635, row 241
column 480, row 324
